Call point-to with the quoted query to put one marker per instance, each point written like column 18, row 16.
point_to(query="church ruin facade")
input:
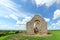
column 37, row 25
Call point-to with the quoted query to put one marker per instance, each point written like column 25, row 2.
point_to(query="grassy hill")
column 56, row 36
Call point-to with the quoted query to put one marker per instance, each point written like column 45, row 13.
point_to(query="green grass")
column 56, row 36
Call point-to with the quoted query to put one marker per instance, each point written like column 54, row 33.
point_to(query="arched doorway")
column 36, row 26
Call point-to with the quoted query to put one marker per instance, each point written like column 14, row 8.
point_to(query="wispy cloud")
column 9, row 4
column 9, row 9
column 54, row 26
column 13, row 27
column 24, row 21
column 56, row 14
column 47, row 19
column 47, row 3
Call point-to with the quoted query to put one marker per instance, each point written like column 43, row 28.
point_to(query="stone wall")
column 42, row 26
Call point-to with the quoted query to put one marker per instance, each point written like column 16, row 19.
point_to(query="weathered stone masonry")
column 40, row 25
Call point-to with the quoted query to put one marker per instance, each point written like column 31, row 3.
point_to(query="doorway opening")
column 36, row 26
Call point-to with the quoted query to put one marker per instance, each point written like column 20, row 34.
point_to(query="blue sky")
column 15, row 13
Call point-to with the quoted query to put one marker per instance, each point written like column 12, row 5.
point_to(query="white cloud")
column 13, row 27
column 6, row 16
column 9, row 4
column 24, row 21
column 13, row 17
column 48, row 3
column 47, row 19
column 9, row 9
column 16, row 17
column 54, row 26
column 19, row 25
column 56, row 14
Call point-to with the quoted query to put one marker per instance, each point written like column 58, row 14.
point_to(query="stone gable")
column 37, row 25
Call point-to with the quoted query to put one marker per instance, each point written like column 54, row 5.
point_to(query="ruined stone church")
column 37, row 25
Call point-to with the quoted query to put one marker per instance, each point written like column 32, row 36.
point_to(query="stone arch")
column 40, row 23
column 36, row 26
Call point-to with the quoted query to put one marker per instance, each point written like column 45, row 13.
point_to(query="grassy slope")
column 56, row 36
